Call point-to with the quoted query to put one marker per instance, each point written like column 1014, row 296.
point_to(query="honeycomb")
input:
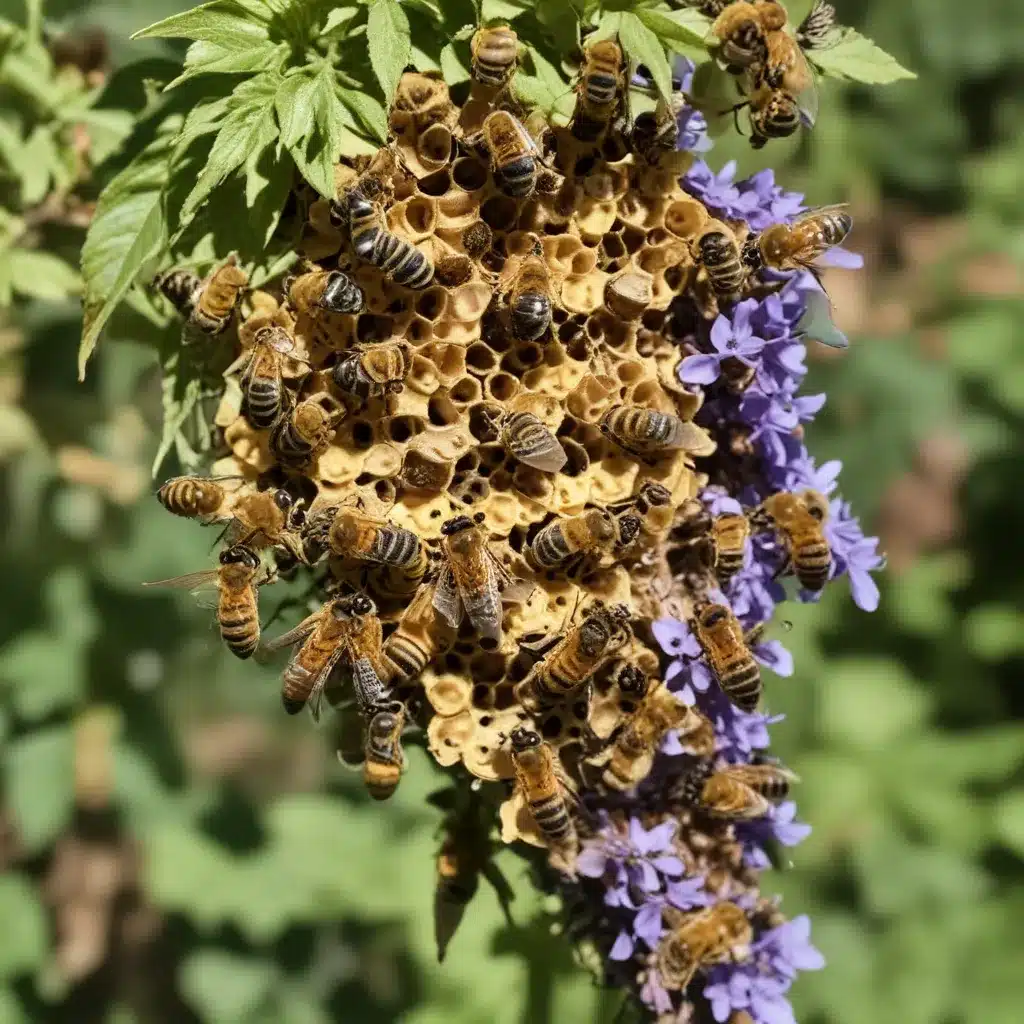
column 616, row 236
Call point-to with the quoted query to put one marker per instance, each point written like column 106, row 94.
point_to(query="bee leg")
column 753, row 636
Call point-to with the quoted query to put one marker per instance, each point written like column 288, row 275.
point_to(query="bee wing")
column 368, row 686
column 349, row 738
column 202, row 584
column 755, row 775
column 319, row 688
column 293, row 636
column 807, row 98
column 447, row 602
column 513, row 590
column 543, row 451
column 732, row 798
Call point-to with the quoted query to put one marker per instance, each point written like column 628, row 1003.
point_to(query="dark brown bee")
column 195, row 497
column 796, row 246
column 725, row 647
column 347, row 631
column 655, row 132
column 385, row 759
column 739, row 791
column 302, row 435
column 418, row 639
column 237, row 608
column 208, row 303
column 572, row 538
column 645, row 432
column 714, row 935
column 374, row 371
column 544, row 789
column 530, row 300
column 719, row 254
column 529, row 441
column 353, row 534
column 799, row 519
column 600, row 92
column 495, row 53
column 576, row 657
column 262, row 381
column 514, row 155
column 330, row 290
column 396, row 257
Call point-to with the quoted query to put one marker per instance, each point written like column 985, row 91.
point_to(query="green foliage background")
column 172, row 849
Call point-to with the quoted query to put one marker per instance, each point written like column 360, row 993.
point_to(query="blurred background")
column 173, row 849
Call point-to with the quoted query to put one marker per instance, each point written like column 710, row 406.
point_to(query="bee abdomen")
column 180, row 288
column 728, row 564
column 550, row 547
column 836, row 227
column 812, row 565
column 240, row 631
column 395, row 546
column 407, row 657
column 404, row 262
column 288, row 443
column 342, row 294
column 530, row 441
column 601, row 88
column 742, row 685
column 531, row 315
column 262, row 403
column 517, row 177
column 553, row 819
column 382, row 780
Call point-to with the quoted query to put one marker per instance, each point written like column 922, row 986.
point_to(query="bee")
column 262, row 380
column 354, row 534
column 655, row 132
column 396, row 257
column 472, row 581
column 577, row 656
column 799, row 519
column 513, row 153
column 785, row 65
column 385, row 759
column 208, row 303
column 725, row 646
column 644, row 432
column 529, row 441
column 713, row 935
column 346, row 630
column 545, row 789
column 374, row 371
column 571, row 538
column 330, row 290
column 774, row 114
column 634, row 744
column 237, row 607
column 194, row 497
column 729, row 533
column 719, row 254
column 740, row 30
column 495, row 53
column 600, row 92
column 796, row 246
column 653, row 504
column 815, row 30
column 737, row 791
column 530, row 300
column 273, row 517
column 301, row 436
column 418, row 639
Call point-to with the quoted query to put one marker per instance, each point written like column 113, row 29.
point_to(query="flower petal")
column 700, row 369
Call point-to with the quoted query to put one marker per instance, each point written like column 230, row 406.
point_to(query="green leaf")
column 23, row 937
column 454, row 66
column 293, row 103
column 179, row 403
column 268, row 180
column 546, row 90
column 387, row 33
column 42, row 275
column 368, row 111
column 127, row 231
column 338, row 21
column 205, row 58
column 857, row 59
column 500, row 10
column 682, row 31
column 1009, row 820
column 994, row 632
column 44, row 673
column 220, row 22
column 40, row 784
column 643, row 46
column 224, row 987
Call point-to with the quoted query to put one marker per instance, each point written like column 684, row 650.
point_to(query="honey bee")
column 300, row 437
column 729, row 533
column 653, row 504
column 208, row 303
column 331, row 290
column 513, row 153
column 796, row 246
column 725, row 646
column 799, row 518
column 396, row 257
column 385, row 759
column 815, row 31
column 655, row 132
column 567, row 541
column 631, row 755
column 644, row 432
column 354, row 534
column 785, row 65
column 774, row 114
column 262, row 381
column 195, row 497
column 719, row 254
column 737, row 791
column 345, row 631
column 495, row 53
column 418, row 639
column 545, row 789
column 237, row 608
column 374, row 371
column 529, row 441
column 270, row 517
column 576, row 657
column 601, row 90
column 740, row 30
column 713, row 935
column 473, row 582
column 530, row 300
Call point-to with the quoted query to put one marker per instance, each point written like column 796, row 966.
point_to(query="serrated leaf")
column 682, row 31
column 127, row 230
column 205, row 58
column 217, row 22
column 39, row 771
column 179, row 402
column 42, row 275
column 293, row 103
column 268, row 180
column 368, row 111
column 643, row 46
column 23, row 938
column 224, row 987
column 339, row 21
column 387, row 34
column 857, row 59
column 546, row 91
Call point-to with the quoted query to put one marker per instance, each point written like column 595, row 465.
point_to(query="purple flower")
column 853, row 554
column 774, row 204
column 718, row 192
column 731, row 337
column 686, row 672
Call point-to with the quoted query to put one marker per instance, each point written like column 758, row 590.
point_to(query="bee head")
column 655, row 494
column 456, row 525
column 383, row 721
column 357, row 604
column 282, row 499
column 524, row 739
column 629, row 527
column 240, row 555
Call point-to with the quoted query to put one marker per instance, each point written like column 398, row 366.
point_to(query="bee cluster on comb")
column 525, row 410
